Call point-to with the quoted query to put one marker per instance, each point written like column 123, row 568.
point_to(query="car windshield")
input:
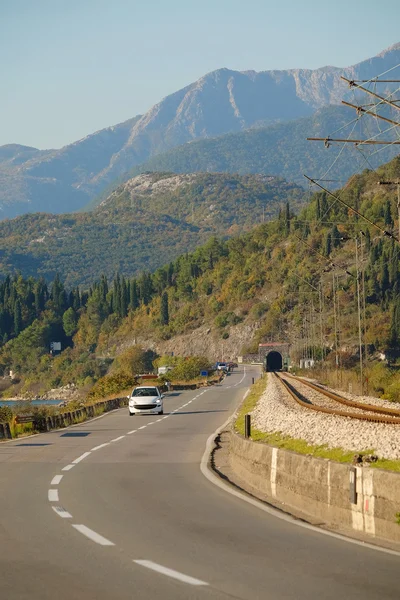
column 145, row 392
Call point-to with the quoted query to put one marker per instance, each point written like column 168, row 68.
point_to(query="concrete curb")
column 210, row 474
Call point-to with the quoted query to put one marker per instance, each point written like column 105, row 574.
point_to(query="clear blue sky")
column 71, row 67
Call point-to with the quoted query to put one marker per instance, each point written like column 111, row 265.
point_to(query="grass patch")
column 249, row 404
column 388, row 465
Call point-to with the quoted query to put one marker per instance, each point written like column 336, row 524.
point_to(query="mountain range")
column 221, row 102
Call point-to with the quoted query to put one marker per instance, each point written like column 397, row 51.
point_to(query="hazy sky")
column 71, row 67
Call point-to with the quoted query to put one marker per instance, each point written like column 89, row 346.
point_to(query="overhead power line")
column 356, row 212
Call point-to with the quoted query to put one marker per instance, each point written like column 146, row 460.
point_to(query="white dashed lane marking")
column 99, row 447
column 92, row 535
column 61, row 512
column 81, row 457
column 56, row 480
column 96, row 537
column 53, row 495
column 169, row 572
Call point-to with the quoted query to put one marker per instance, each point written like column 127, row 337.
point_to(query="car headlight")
column 131, row 402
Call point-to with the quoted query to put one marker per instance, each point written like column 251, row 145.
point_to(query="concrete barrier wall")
column 320, row 488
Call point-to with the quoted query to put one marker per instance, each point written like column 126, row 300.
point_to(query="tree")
column 328, row 244
column 287, row 218
column 387, row 214
column 318, row 209
column 70, row 322
column 133, row 295
column 336, row 237
column 17, row 318
column 164, row 315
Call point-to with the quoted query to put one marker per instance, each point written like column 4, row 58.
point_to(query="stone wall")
column 321, row 488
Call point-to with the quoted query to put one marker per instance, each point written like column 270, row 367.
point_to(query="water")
column 30, row 402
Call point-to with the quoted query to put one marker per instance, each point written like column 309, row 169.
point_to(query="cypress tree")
column 164, row 314
column 17, row 318
column 328, row 244
column 318, row 210
column 287, row 218
column 335, row 236
column 133, row 295
column 77, row 300
column 387, row 214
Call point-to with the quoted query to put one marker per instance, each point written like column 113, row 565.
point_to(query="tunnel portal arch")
column 274, row 361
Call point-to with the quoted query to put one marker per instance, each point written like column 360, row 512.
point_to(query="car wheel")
column 161, row 412
column 131, row 414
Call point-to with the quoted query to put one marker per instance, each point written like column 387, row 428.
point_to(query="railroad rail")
column 368, row 412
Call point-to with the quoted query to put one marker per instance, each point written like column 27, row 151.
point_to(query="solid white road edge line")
column 81, row 457
column 56, row 480
column 213, row 478
column 67, row 468
column 61, row 512
column 92, row 535
column 169, row 572
column 53, row 495
column 130, row 432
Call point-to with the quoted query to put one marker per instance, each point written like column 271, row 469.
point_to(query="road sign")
column 19, row 419
column 204, row 373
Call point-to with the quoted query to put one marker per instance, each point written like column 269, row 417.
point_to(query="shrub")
column 6, row 414
column 189, row 368
column 111, row 384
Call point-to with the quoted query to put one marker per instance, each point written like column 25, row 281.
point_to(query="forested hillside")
column 267, row 280
column 148, row 221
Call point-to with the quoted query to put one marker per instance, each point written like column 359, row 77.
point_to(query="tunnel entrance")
column 274, row 361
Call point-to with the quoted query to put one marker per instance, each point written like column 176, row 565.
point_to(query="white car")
column 146, row 399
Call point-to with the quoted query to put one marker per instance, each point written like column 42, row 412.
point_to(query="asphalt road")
column 135, row 518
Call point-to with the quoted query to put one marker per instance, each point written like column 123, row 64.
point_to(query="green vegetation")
column 111, row 385
column 142, row 225
column 263, row 280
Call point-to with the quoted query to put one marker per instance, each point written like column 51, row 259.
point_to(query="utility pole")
column 321, row 322
column 335, row 327
column 359, row 320
column 363, row 309
column 339, row 325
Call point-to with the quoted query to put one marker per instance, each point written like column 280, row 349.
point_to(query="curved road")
column 117, row 508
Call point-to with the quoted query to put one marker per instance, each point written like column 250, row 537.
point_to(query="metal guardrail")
column 65, row 419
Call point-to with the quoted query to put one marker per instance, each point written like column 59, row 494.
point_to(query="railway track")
column 325, row 401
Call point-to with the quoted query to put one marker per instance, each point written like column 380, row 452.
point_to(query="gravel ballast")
column 276, row 411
